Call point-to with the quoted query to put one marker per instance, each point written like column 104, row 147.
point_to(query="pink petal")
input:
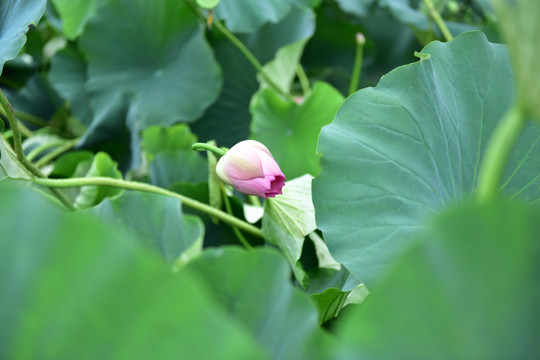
column 222, row 171
column 243, row 163
column 275, row 187
column 257, row 186
column 251, row 169
column 253, row 144
column 269, row 165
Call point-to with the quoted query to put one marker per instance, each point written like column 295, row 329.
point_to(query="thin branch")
column 236, row 231
column 434, row 14
column 245, row 51
column 10, row 115
column 133, row 185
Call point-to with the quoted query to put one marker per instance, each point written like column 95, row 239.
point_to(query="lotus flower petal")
column 250, row 168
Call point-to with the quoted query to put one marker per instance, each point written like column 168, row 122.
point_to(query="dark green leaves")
column 258, row 295
column 228, row 120
column 155, row 221
column 154, row 51
column 357, row 7
column 72, row 288
column 68, row 77
column 16, row 16
column 245, row 17
column 75, row 14
column 411, row 147
column 468, row 291
column 291, row 130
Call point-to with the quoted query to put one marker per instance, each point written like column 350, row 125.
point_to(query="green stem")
column 252, row 59
column 56, row 152
column 19, row 151
column 24, row 130
column 236, row 231
column 208, row 147
column 7, row 135
column 357, row 68
column 10, row 114
column 304, row 81
column 254, row 200
column 31, row 118
column 434, row 14
column 236, row 42
column 133, row 185
column 498, row 152
column 39, row 149
column 59, row 195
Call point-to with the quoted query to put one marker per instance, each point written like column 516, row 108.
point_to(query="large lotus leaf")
column 227, row 121
column 15, row 18
column 157, row 221
column 469, row 291
column 398, row 153
column 253, row 286
column 71, row 288
column 75, row 14
column 154, row 51
column 288, row 128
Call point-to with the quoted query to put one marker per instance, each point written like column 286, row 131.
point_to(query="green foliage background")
column 379, row 247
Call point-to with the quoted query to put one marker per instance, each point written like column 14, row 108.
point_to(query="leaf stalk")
column 498, row 152
column 434, row 14
column 357, row 68
column 138, row 186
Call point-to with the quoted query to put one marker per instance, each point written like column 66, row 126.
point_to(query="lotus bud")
column 250, row 168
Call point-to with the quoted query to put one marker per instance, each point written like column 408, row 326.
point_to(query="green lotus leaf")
column 401, row 152
column 154, row 52
column 17, row 16
column 289, row 128
column 155, row 221
column 72, row 288
column 467, row 290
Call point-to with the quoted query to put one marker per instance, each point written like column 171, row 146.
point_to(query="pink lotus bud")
column 250, row 168
column 360, row 39
column 299, row 100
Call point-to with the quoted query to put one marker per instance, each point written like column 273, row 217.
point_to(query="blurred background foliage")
column 123, row 88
